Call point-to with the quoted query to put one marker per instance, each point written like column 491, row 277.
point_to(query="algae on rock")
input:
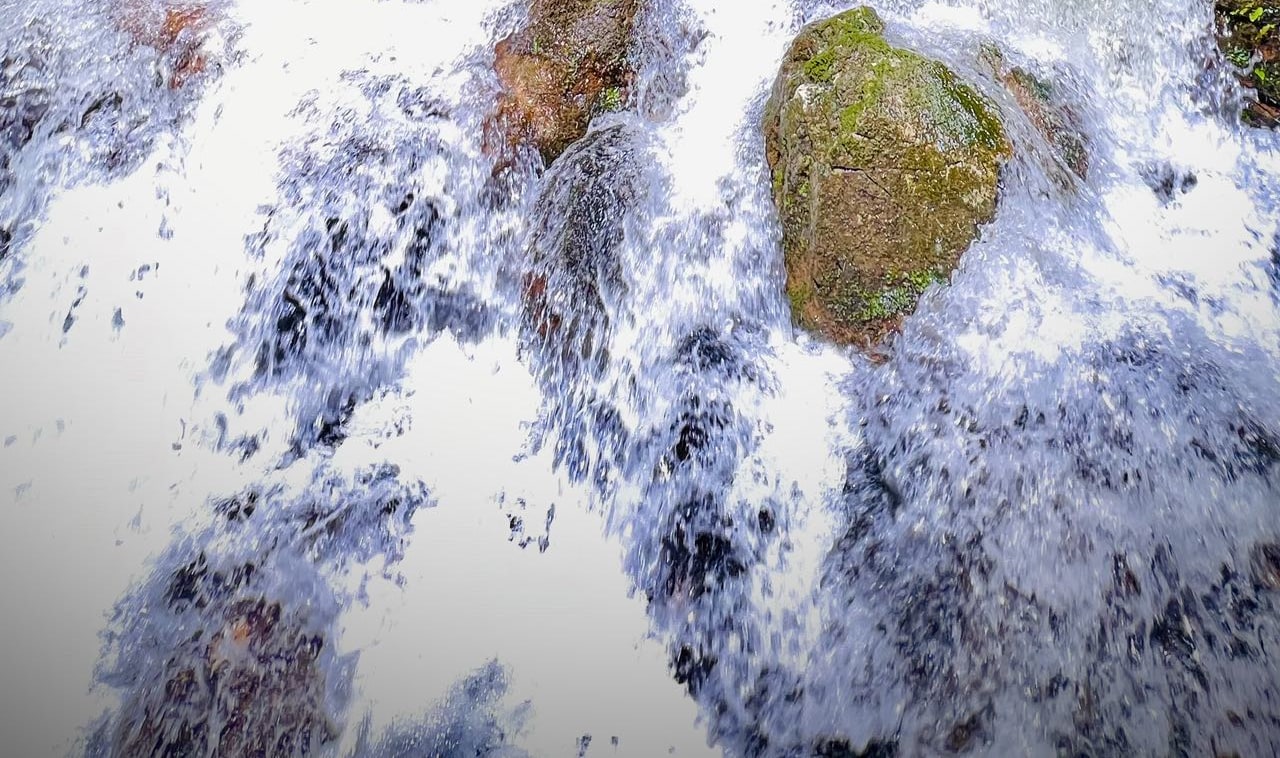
column 884, row 164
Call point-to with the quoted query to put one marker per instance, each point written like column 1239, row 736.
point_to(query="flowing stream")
column 287, row 466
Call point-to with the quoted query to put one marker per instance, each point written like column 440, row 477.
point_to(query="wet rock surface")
column 246, row 681
column 575, row 274
column 177, row 30
column 884, row 165
column 1060, row 553
column 94, row 98
column 568, row 63
column 1052, row 111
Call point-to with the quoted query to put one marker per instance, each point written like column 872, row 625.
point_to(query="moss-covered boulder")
column 884, row 165
column 1249, row 35
column 570, row 61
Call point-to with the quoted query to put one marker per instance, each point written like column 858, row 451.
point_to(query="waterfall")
column 321, row 435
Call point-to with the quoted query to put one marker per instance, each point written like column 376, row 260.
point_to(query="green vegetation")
column 818, row 68
column 611, row 99
column 1250, row 41
column 899, row 295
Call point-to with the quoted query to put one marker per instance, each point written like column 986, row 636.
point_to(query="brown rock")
column 247, row 678
column 578, row 218
column 1265, row 565
column 176, row 30
column 1055, row 119
column 1049, row 109
column 568, row 63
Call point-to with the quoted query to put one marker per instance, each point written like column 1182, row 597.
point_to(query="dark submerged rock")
column 574, row 270
column 245, row 679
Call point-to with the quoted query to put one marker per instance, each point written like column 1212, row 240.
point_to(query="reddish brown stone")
column 177, row 31
column 570, row 62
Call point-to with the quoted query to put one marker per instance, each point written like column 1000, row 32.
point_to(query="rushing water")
column 289, row 467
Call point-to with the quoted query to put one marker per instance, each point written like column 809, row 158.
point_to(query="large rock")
column 568, row 63
column 884, row 165
column 1250, row 38
column 235, row 673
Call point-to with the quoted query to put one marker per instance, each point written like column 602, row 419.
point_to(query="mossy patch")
column 611, row 99
column 899, row 295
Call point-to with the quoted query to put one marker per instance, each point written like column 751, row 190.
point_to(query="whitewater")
column 266, row 378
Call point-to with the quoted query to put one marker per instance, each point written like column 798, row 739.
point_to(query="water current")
column 289, row 467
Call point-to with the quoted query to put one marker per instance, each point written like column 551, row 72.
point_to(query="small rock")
column 248, row 680
column 177, row 30
column 1048, row 109
column 578, row 222
column 1265, row 560
column 570, row 62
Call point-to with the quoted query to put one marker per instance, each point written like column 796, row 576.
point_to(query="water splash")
column 518, row 460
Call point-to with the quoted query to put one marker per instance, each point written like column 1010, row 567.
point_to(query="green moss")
column 837, row 36
column 818, row 68
column 868, row 95
column 799, row 295
column 922, row 89
column 856, row 26
column 957, row 112
column 611, row 99
column 899, row 295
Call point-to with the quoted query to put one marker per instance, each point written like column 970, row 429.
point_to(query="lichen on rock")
column 884, row 164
